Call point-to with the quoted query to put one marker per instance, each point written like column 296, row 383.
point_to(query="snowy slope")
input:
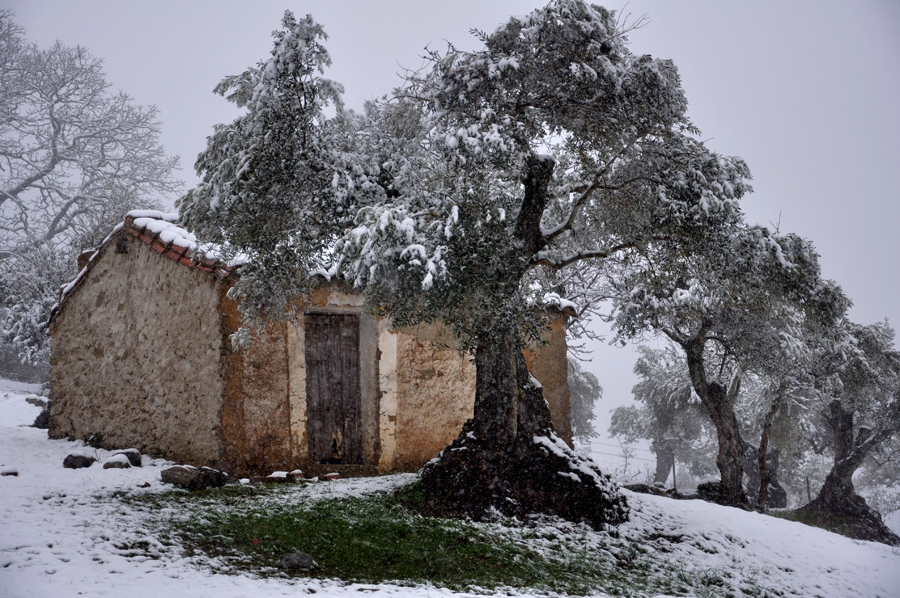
column 63, row 534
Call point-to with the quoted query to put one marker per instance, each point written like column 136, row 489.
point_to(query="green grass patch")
column 387, row 538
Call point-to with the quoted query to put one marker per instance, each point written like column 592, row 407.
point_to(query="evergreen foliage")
column 584, row 392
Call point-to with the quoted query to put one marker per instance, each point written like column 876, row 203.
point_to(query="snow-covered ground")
column 63, row 533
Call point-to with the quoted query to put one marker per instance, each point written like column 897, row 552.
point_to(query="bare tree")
column 74, row 157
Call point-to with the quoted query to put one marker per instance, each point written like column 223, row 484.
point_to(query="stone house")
column 141, row 357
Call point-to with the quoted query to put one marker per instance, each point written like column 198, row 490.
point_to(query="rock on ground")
column 117, row 462
column 192, row 478
column 78, row 461
column 133, row 455
column 297, row 560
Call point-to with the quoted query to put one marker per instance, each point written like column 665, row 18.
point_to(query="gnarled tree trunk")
column 837, row 496
column 508, row 458
column 719, row 403
column 769, row 493
column 665, row 456
column 762, row 474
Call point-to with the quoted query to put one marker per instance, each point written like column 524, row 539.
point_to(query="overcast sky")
column 805, row 91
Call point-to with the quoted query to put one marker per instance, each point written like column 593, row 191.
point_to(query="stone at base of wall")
column 133, row 455
column 78, row 461
column 192, row 478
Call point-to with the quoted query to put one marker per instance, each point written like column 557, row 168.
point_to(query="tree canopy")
column 482, row 187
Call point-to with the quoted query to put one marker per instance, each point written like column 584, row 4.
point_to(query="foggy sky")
column 805, row 91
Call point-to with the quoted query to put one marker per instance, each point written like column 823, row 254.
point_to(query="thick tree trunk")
column 837, row 498
column 837, row 494
column 719, row 403
column 762, row 454
column 665, row 454
column 509, row 459
column 762, row 474
column 497, row 393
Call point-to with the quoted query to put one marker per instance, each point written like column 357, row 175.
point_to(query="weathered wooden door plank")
column 332, row 387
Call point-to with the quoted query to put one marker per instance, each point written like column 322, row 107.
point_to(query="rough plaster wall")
column 136, row 357
column 296, row 340
column 267, row 418
column 548, row 364
column 336, row 299
column 369, row 388
column 231, row 369
column 435, row 397
column 387, row 384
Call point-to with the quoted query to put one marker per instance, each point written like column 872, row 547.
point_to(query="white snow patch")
column 558, row 301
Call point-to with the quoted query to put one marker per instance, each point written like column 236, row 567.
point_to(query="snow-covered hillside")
column 63, row 533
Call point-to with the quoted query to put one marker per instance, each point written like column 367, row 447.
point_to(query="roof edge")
column 139, row 224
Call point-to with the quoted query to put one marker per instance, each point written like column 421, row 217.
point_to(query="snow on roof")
column 163, row 225
column 160, row 231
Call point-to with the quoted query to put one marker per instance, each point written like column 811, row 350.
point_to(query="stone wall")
column 264, row 443
column 549, row 365
column 141, row 358
column 388, row 395
column 136, row 356
column 435, row 395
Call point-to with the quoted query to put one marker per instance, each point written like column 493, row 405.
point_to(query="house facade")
column 141, row 357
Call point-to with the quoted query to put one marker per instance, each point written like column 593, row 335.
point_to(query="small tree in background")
column 584, row 392
column 668, row 415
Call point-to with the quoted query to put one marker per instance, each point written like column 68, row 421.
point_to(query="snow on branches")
column 75, row 158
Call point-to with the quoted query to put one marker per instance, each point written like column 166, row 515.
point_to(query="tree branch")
column 567, row 224
column 556, row 265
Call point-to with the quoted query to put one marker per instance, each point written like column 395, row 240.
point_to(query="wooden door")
column 332, row 388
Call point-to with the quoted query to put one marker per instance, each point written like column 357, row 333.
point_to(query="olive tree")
column 743, row 305
column 462, row 198
column 858, row 384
